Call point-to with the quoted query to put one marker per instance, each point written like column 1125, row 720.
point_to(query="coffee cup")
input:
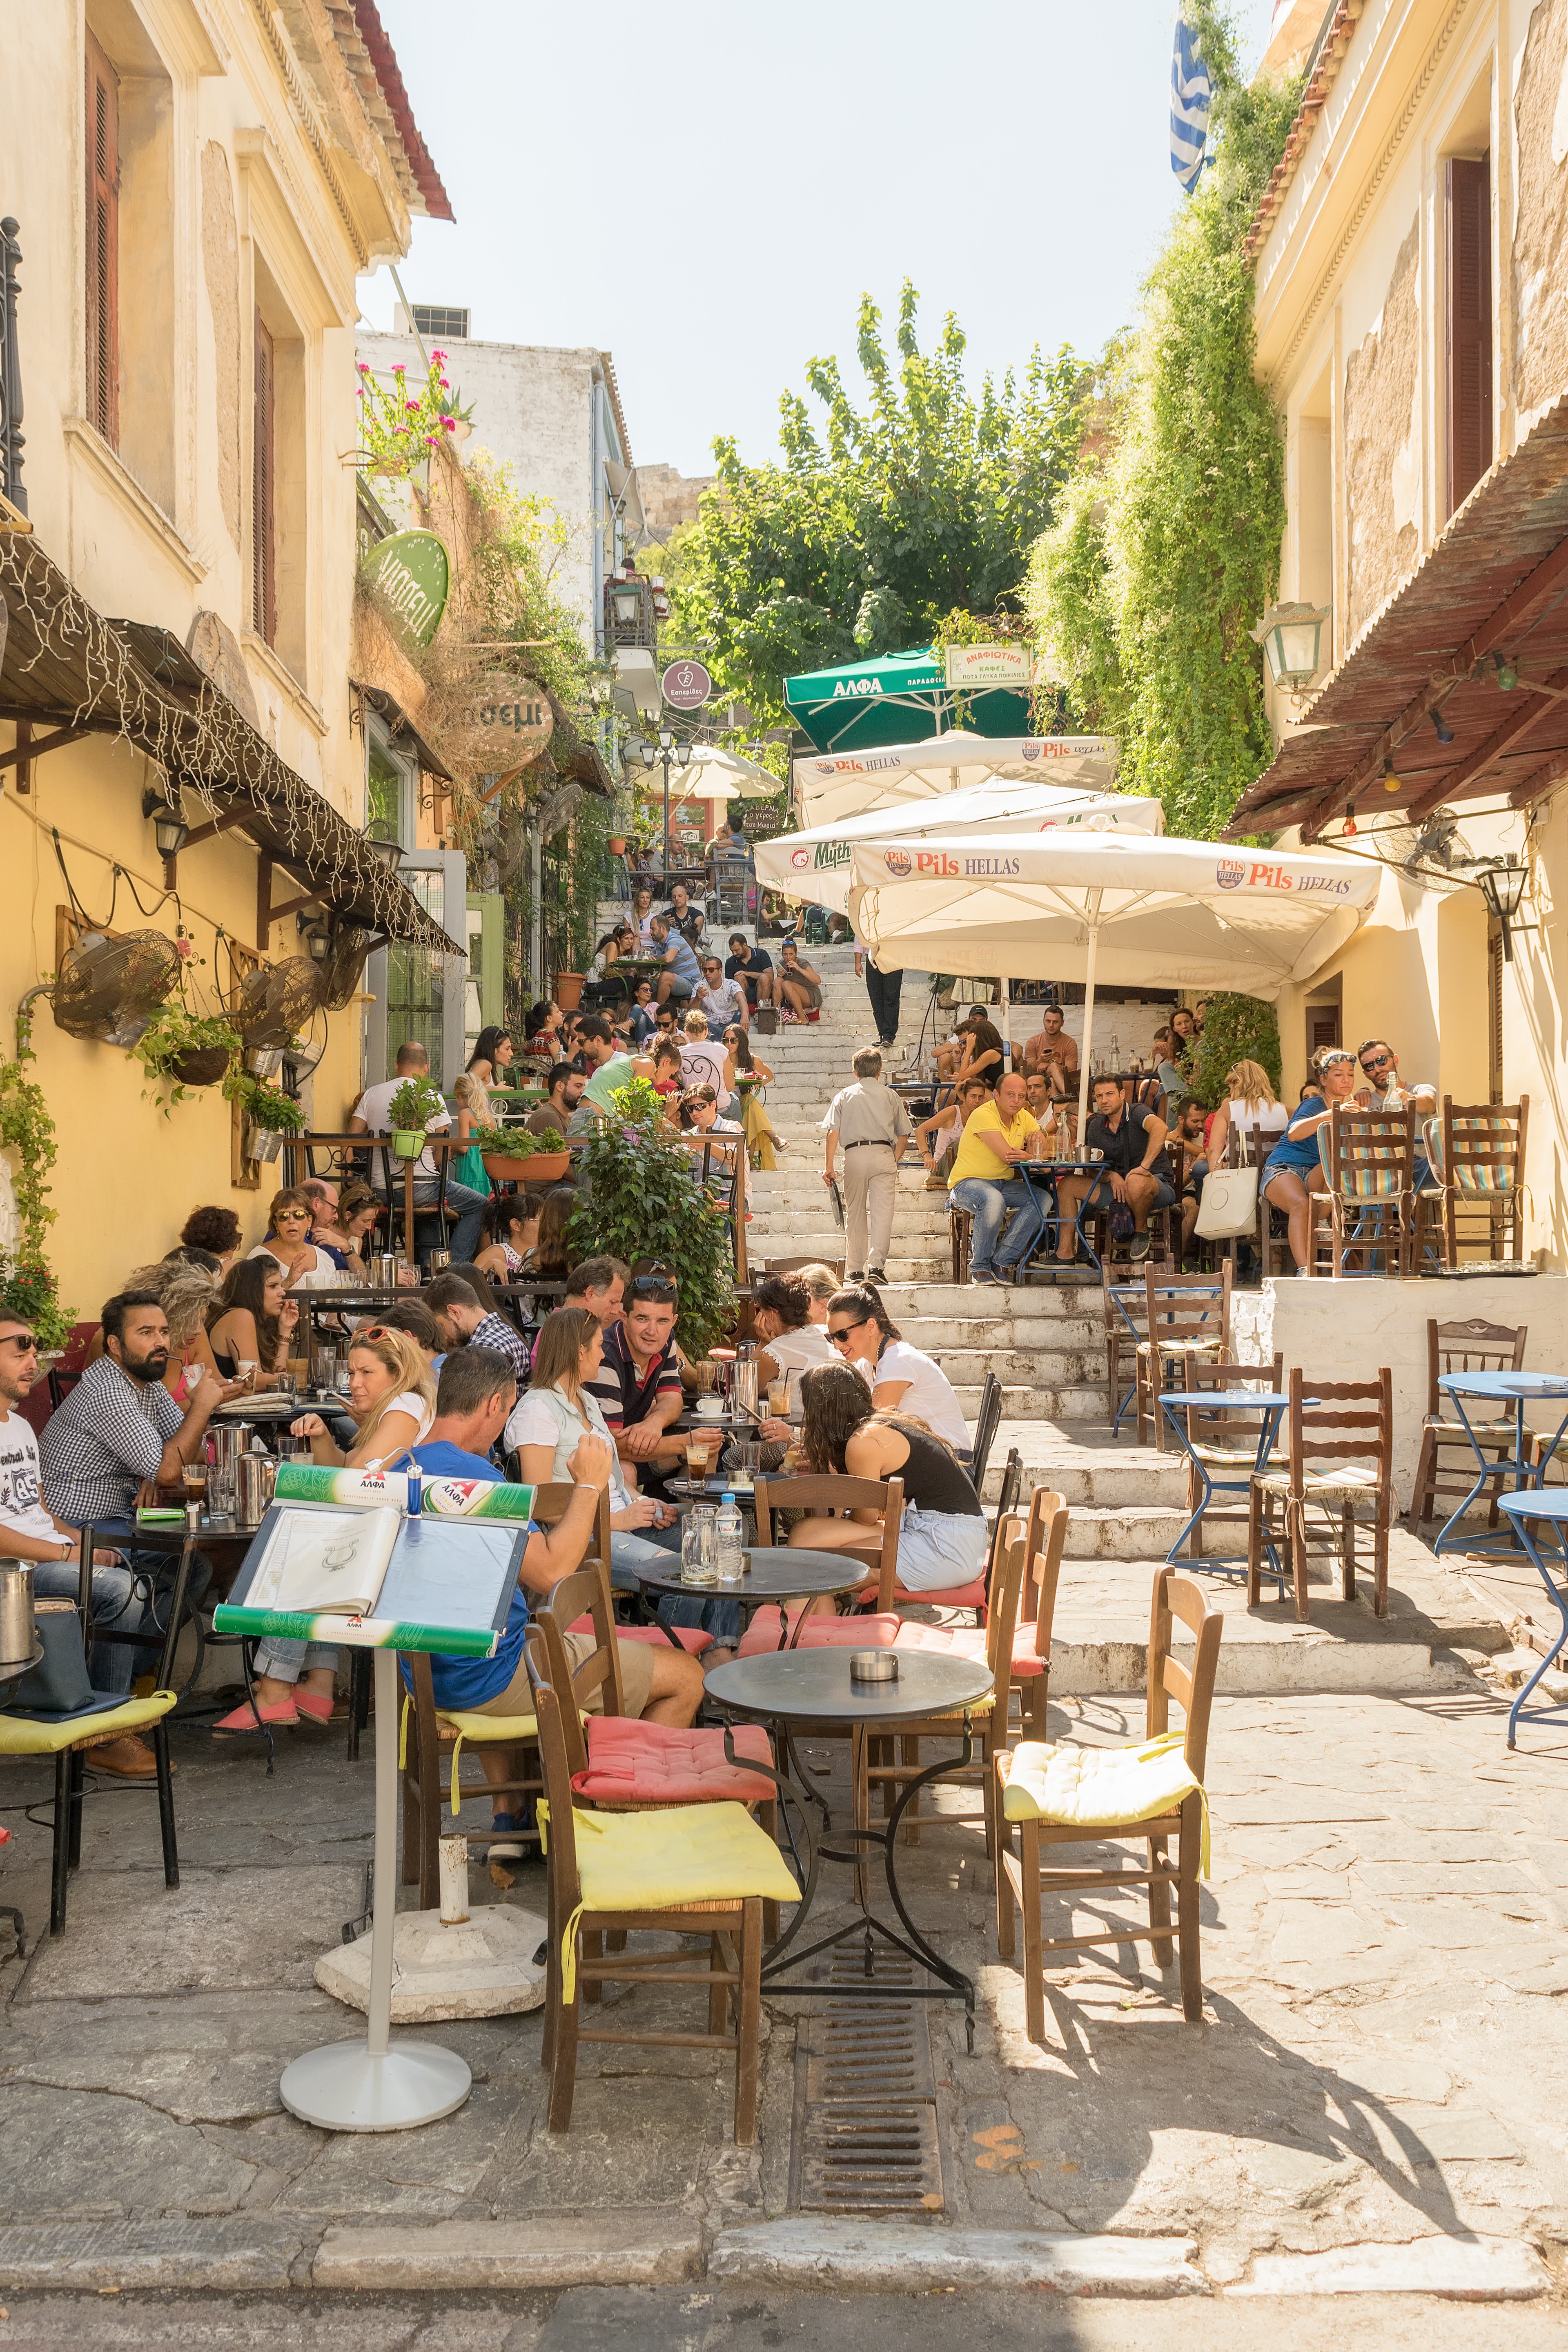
column 709, row 1408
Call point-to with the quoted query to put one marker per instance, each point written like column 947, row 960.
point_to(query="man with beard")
column 117, row 1437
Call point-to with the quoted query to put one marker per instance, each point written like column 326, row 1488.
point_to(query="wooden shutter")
column 1470, row 325
column 1322, row 1026
column 263, row 505
column 103, row 142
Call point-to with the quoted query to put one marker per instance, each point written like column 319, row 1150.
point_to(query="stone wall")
column 669, row 498
column 1541, row 225
column 1382, row 446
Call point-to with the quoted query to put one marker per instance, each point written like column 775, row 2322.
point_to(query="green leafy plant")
column 396, row 430
column 269, row 1108
column 411, row 1108
column 28, row 1288
column 870, row 537
column 176, row 1031
column 1235, row 1029
column 1165, row 546
column 513, row 1142
column 27, row 1130
column 640, row 1201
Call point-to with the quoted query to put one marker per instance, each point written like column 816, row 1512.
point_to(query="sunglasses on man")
column 656, row 1287
column 1371, row 1063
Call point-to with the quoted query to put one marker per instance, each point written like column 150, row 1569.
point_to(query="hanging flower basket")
column 202, row 1068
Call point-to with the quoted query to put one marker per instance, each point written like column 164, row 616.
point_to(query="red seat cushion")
column 820, row 1632
column 654, row 1764
column 691, row 1638
column 969, row 1641
column 952, row 1596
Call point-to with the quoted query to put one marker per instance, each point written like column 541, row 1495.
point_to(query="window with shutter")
column 263, row 490
column 1322, row 1026
column 1469, row 188
column 102, row 144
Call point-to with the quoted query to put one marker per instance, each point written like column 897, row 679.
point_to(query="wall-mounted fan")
column 277, row 1000
column 1434, row 855
column 344, row 965
column 113, row 988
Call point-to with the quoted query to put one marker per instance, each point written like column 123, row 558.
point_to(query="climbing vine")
column 1165, row 546
column 28, row 1284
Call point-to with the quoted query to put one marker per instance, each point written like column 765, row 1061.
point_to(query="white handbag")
column 1229, row 1203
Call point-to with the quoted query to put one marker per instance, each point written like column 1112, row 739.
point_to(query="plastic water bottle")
column 731, row 1552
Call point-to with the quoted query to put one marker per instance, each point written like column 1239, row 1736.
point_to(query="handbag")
column 1229, row 1203
column 58, row 1684
column 765, row 1021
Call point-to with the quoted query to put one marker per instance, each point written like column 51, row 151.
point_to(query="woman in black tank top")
column 942, row 1539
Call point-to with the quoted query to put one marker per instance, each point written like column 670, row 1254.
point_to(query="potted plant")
column 270, row 1118
column 28, row 1289
column 615, row 842
column 568, row 990
column 409, row 1114
column 514, row 1151
column 183, row 1049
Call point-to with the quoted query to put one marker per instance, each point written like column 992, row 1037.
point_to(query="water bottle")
column 415, row 1502
column 731, row 1552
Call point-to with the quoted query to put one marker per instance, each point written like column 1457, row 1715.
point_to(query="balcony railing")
column 10, row 370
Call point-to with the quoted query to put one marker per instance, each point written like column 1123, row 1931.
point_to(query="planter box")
column 538, row 1167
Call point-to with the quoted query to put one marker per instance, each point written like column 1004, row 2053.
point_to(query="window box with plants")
column 515, row 1152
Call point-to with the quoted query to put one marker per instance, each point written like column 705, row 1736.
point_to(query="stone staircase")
column 1045, row 1346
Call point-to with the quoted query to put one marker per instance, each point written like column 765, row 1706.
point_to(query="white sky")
column 705, row 190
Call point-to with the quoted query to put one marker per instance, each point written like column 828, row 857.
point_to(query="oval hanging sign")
column 496, row 723
column 686, row 686
column 411, row 576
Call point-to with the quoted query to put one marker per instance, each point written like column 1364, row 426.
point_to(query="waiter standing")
column 868, row 1122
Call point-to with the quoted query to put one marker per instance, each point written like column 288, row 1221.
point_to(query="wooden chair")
column 1186, row 1317
column 838, row 1497
column 1272, row 1236
column 586, row 1901
column 1212, row 1434
column 1125, row 1308
column 68, row 1737
column 1340, row 1452
column 1021, row 1881
column 1045, row 1541
column 1369, row 1162
column 1480, row 1180
column 1474, row 1347
column 433, row 1737
column 960, row 1224
column 872, row 1754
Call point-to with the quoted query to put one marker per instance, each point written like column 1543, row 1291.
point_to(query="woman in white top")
column 392, row 1397
column 1250, row 1110
column 551, row 1418
column 289, row 1223
column 901, row 1379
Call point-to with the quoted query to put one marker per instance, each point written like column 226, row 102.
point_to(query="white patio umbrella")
column 832, row 785
column 816, row 864
column 1172, row 913
column 714, row 774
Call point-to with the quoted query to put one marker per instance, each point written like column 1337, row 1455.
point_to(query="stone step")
column 1031, row 1403
column 934, row 1332
column 1079, row 1460
column 1019, row 1368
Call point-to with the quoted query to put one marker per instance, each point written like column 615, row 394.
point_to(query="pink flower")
column 399, row 368
column 445, row 385
column 411, row 407
column 449, row 424
column 438, row 359
column 364, row 366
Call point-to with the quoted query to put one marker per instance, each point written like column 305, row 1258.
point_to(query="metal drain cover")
column 865, row 2137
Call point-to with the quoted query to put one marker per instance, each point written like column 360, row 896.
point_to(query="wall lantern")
column 1501, row 885
column 627, row 602
column 389, row 852
column 318, row 938
column 1291, row 637
column 170, row 830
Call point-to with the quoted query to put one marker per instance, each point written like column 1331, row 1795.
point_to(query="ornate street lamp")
column 1501, row 885
column 1291, row 637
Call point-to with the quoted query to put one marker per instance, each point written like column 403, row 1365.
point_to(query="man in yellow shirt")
column 994, row 1140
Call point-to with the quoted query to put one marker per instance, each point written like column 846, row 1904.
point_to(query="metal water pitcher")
column 16, row 1632
column 257, row 1476
column 743, row 1385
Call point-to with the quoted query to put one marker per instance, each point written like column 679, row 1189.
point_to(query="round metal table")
column 1499, row 1389
column 799, row 1686
column 12, row 1670
column 773, row 1573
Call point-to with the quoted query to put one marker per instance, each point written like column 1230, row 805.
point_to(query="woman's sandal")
column 275, row 1715
column 315, row 1707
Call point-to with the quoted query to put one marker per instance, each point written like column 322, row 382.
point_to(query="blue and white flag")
column 1191, row 97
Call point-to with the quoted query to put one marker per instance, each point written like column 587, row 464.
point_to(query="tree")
column 881, row 521
column 1166, row 547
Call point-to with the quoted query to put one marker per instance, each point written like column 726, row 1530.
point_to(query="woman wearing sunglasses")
column 1297, row 1157
column 900, row 1378
column 392, row 1399
column 942, row 1539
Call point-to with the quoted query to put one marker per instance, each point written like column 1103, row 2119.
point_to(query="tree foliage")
column 1165, row 550
column 1235, row 1029
column 640, row 1200
column 880, row 519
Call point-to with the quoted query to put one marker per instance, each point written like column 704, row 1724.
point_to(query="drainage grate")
column 865, row 2137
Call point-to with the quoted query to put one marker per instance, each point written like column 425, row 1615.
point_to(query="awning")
column 401, row 725
column 1475, row 642
column 892, row 700
column 67, row 667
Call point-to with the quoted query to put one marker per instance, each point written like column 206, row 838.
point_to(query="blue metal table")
column 1048, row 1172
column 1546, row 1509
column 1269, row 1406
column 1518, row 1389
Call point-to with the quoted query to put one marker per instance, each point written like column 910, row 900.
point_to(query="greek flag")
column 1190, row 99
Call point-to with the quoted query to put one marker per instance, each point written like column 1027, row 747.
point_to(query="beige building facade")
column 1413, row 324
column 194, row 184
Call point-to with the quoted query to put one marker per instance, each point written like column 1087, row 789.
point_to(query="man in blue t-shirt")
column 476, row 1392
column 681, row 971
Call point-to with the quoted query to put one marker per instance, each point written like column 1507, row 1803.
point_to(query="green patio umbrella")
column 895, row 700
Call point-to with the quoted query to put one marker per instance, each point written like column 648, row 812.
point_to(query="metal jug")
column 743, row 1386
column 17, row 1639
column 257, row 1479
column 229, row 1440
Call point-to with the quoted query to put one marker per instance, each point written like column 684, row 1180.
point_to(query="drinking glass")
column 284, row 1383
column 699, row 1564
column 195, row 1477
column 195, row 1375
column 696, row 1459
column 778, row 1398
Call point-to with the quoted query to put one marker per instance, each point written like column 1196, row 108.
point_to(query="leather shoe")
column 125, row 1759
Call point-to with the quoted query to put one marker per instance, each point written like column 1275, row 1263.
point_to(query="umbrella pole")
column 1087, row 1032
column 1004, row 1006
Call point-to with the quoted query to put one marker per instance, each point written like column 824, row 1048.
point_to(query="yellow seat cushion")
column 1318, row 1484
column 490, row 1727
column 20, row 1736
column 1098, row 1788
column 669, row 1861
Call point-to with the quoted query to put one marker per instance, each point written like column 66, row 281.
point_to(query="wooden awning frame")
column 70, row 670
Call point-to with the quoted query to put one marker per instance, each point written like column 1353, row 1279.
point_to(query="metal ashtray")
column 873, row 1667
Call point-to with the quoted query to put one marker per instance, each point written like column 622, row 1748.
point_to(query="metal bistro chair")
column 1187, row 1318
column 1369, row 1161
column 1479, row 1164
column 1473, row 1347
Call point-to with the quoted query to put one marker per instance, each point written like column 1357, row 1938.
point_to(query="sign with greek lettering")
column 411, row 578
column 977, row 666
column 497, row 722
